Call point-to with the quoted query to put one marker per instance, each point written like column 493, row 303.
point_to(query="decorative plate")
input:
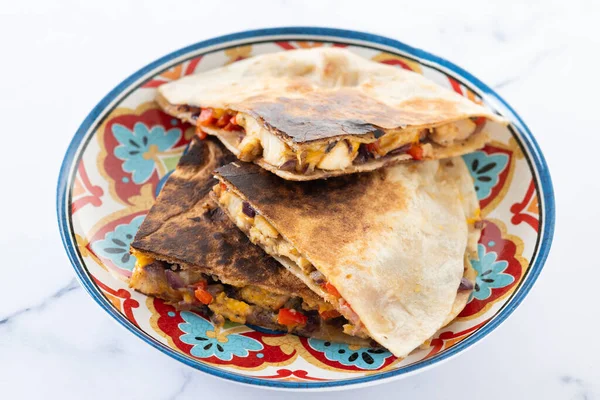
column 126, row 148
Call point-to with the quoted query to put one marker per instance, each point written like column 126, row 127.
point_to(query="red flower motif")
column 83, row 191
column 286, row 373
column 173, row 73
column 114, row 295
column 447, row 339
column 527, row 210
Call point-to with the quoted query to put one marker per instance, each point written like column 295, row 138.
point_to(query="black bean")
column 363, row 155
column 317, row 277
column 230, row 291
column 248, row 210
column 313, row 321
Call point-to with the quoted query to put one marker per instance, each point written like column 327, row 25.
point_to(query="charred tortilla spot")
column 215, row 214
column 303, row 207
column 185, row 227
column 322, row 115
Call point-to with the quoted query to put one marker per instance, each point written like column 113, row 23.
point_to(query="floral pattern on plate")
column 141, row 147
column 348, row 355
column 207, row 340
column 115, row 246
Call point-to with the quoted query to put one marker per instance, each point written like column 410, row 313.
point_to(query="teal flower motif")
column 139, row 148
column 490, row 274
column 207, row 342
column 364, row 358
column 485, row 170
column 115, row 245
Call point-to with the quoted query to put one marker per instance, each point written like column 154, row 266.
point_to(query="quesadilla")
column 191, row 255
column 388, row 249
column 317, row 113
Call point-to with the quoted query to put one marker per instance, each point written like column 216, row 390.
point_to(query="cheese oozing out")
column 340, row 154
column 249, row 298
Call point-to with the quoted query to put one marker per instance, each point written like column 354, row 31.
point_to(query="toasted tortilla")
column 187, row 231
column 308, row 98
column 394, row 242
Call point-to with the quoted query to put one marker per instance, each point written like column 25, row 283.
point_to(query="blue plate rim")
column 540, row 166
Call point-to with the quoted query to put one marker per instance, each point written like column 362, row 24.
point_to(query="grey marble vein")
column 580, row 387
column 531, row 66
column 187, row 379
column 69, row 287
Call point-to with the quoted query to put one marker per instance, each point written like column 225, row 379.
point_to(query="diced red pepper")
column 200, row 133
column 223, row 186
column 232, row 127
column 203, row 296
column 373, row 148
column 346, row 304
column 291, row 317
column 206, row 117
column 223, row 121
column 479, row 121
column 416, row 151
column 331, row 289
column 329, row 314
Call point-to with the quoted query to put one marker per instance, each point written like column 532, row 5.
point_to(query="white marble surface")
column 60, row 58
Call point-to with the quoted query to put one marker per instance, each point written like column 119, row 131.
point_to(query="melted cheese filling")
column 230, row 308
column 338, row 155
column 261, row 231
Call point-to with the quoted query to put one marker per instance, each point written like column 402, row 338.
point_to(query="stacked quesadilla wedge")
column 189, row 254
column 388, row 249
column 317, row 113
